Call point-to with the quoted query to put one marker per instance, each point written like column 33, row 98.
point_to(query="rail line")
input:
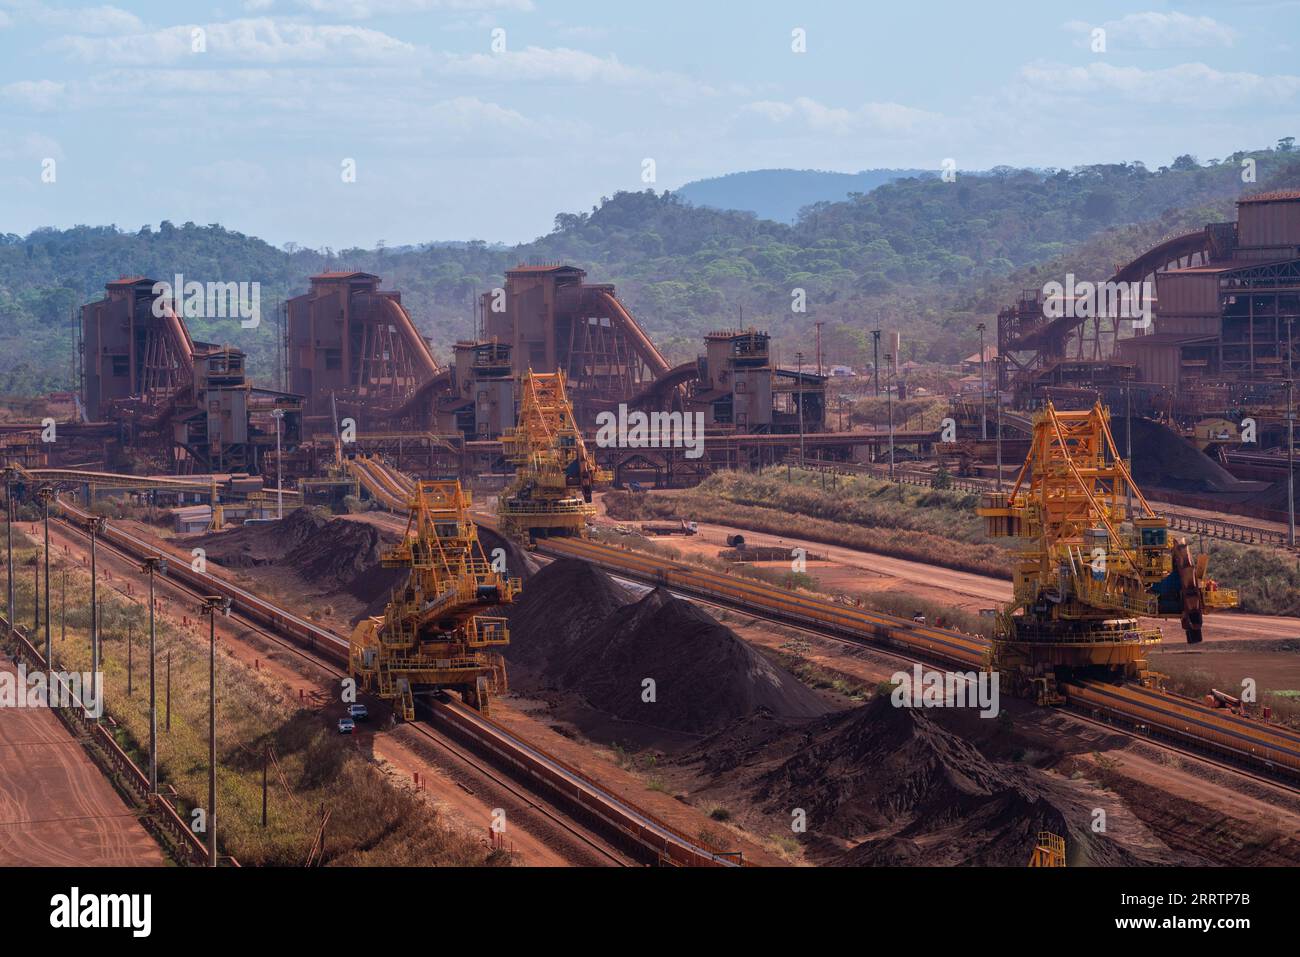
column 440, row 741
column 625, row 826
column 1268, row 748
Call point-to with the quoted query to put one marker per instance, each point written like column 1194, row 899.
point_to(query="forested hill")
column 780, row 194
column 927, row 257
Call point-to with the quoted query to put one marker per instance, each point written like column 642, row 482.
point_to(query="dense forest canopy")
column 927, row 257
column 780, row 194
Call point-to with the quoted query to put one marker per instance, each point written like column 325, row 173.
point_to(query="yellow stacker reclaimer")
column 1087, row 572
column 432, row 635
column 555, row 472
column 1049, row 851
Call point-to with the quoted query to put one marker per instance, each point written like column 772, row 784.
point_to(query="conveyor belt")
column 623, row 822
column 1265, row 746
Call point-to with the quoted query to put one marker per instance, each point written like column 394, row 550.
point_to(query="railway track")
column 1267, row 753
column 627, row 829
column 1235, row 741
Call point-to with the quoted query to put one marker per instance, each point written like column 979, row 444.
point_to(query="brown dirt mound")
column 331, row 558
column 912, row 792
column 328, row 553
column 374, row 587
column 339, row 555
column 519, row 564
column 585, row 634
column 250, row 545
column 1162, row 457
column 561, row 605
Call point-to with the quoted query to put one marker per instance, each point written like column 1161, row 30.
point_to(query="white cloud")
column 29, row 146
column 101, row 19
column 563, row 65
column 471, row 113
column 773, row 110
column 39, row 95
column 1187, row 84
column 305, row 93
column 111, row 85
column 1158, row 31
column 261, row 40
column 585, row 32
column 4, row 20
column 819, row 118
column 396, row 102
column 364, row 9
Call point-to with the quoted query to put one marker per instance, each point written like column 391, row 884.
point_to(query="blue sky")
column 453, row 139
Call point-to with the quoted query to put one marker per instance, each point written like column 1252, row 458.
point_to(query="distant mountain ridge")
column 779, row 194
column 928, row 258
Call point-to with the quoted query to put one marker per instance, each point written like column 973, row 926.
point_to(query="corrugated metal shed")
column 1269, row 219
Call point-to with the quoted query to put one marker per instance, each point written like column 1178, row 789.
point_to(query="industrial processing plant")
column 762, row 441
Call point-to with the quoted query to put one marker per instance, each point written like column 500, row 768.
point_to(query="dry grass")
column 1267, row 579
column 935, row 527
column 926, row 412
column 371, row 822
column 1195, row 681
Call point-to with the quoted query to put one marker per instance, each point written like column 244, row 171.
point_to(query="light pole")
column 1128, row 449
column 211, row 605
column 1290, row 462
column 798, row 358
column 984, row 422
column 155, row 564
column 889, row 403
column 9, row 539
column 875, row 359
column 1290, row 440
column 94, row 525
column 278, row 415
column 998, row 427
column 43, row 494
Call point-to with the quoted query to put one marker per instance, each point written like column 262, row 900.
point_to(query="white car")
column 347, row 726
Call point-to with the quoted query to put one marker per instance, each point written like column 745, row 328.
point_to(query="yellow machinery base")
column 1033, row 662
column 399, row 684
column 527, row 526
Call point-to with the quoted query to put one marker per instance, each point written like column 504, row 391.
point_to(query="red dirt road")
column 56, row 807
column 848, row 568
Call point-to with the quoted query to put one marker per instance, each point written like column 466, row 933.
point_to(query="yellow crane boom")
column 1049, row 851
column 432, row 634
column 1087, row 571
column 555, row 472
